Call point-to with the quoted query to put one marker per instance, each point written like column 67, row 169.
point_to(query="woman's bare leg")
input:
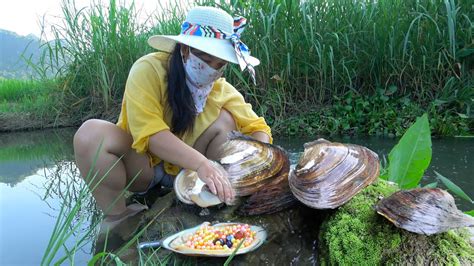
column 116, row 144
column 116, row 149
column 211, row 140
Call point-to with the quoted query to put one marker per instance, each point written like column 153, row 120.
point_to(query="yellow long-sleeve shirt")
column 145, row 109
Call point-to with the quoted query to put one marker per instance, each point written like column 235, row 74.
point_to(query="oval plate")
column 176, row 242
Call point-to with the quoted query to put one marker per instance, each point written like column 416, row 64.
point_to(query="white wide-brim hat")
column 205, row 16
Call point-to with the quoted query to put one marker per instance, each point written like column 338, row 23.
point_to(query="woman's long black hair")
column 180, row 99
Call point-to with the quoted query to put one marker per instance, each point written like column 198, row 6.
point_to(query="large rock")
column 356, row 234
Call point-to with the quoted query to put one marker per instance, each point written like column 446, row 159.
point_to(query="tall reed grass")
column 320, row 49
column 311, row 51
column 92, row 52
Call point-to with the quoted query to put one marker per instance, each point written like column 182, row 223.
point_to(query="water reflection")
column 23, row 153
column 37, row 174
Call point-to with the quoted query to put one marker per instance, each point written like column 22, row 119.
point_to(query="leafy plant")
column 103, row 255
column 231, row 257
column 67, row 226
column 431, row 185
column 409, row 159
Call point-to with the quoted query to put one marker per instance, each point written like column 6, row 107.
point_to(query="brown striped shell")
column 329, row 174
column 274, row 197
column 250, row 165
column 423, row 211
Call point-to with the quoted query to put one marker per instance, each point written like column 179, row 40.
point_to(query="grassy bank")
column 25, row 95
column 327, row 67
column 27, row 104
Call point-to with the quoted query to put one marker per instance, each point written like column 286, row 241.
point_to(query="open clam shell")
column 190, row 189
column 423, row 211
column 177, row 242
column 329, row 174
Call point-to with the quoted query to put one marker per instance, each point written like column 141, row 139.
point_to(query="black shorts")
column 161, row 178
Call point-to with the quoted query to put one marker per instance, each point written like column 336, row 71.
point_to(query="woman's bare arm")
column 261, row 136
column 168, row 147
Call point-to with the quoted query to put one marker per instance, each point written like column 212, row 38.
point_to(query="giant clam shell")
column 260, row 170
column 177, row 242
column 423, row 211
column 274, row 197
column 329, row 174
column 253, row 167
column 251, row 164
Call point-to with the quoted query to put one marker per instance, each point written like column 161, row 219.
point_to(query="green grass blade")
column 453, row 187
column 431, row 185
column 231, row 257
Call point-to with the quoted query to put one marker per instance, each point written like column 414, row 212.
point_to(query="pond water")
column 37, row 172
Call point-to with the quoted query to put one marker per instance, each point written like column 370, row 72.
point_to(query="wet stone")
column 204, row 212
column 291, row 233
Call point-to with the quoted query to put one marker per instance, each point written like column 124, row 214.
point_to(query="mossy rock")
column 356, row 235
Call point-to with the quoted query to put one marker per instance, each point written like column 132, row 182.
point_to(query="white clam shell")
column 192, row 190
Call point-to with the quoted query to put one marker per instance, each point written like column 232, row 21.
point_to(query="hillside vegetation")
column 343, row 67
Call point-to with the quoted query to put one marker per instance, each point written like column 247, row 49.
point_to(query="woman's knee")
column 225, row 122
column 95, row 133
column 84, row 136
column 216, row 133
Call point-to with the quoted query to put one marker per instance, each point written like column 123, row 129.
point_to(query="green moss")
column 353, row 235
column 356, row 235
column 452, row 246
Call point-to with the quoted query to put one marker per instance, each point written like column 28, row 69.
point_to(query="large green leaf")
column 409, row 159
column 453, row 187
column 470, row 213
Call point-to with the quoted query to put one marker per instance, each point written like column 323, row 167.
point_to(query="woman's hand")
column 217, row 181
column 168, row 147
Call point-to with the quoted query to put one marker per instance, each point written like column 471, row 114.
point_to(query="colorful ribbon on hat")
column 241, row 50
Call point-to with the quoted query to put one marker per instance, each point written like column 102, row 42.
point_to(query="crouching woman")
column 176, row 113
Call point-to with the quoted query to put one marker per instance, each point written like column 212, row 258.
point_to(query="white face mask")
column 200, row 77
column 199, row 73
